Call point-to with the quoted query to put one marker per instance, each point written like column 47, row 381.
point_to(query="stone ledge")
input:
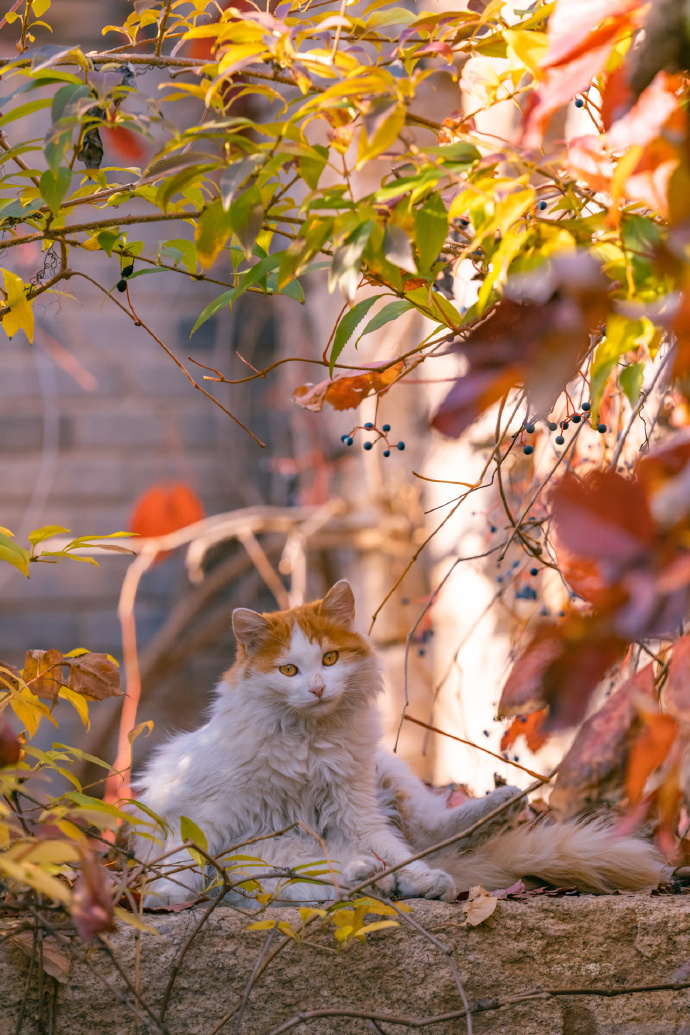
column 568, row 942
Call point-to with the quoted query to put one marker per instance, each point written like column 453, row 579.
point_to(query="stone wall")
column 568, row 943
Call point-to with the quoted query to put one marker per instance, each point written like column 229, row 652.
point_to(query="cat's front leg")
column 416, row 879
column 466, row 815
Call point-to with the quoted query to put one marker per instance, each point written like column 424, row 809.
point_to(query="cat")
column 293, row 737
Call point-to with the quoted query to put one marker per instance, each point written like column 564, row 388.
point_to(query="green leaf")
column 460, row 153
column 213, row 229
column 344, row 272
column 107, row 240
column 391, row 311
column 191, row 832
column 25, row 109
column 213, row 307
column 622, row 334
column 397, row 248
column 39, row 534
column 54, row 186
column 431, row 229
column 247, row 214
column 347, row 326
column 310, row 169
column 631, row 379
column 235, row 175
column 14, row 554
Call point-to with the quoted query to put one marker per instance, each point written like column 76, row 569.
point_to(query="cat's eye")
column 289, row 669
column 330, row 657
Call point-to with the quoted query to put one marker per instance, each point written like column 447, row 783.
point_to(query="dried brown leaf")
column 43, row 673
column 57, row 961
column 94, row 676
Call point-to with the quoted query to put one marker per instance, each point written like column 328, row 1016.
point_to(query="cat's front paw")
column 419, row 881
column 474, row 810
column 362, row 869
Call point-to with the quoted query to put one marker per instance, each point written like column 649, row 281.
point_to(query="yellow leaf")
column 28, row 873
column 20, row 316
column 79, row 703
column 383, row 138
column 261, row 925
column 306, row 913
column 133, row 920
column 29, row 710
column 133, row 734
column 343, row 933
column 379, row 926
column 527, row 48
column 284, row 926
column 39, row 8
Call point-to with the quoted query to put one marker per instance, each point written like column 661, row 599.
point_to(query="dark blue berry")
column 400, row 446
column 122, row 285
column 576, row 418
column 542, row 205
column 515, row 564
column 386, row 427
column 526, row 593
column 523, row 718
column 516, row 758
column 529, row 428
column 368, row 426
column 579, row 103
column 344, row 438
column 601, row 428
column 386, row 452
column 534, row 571
column 421, row 652
column 528, row 450
column 486, row 733
column 499, row 579
column 464, row 222
column 552, row 426
column 368, row 445
column 349, row 441
column 492, row 528
column 564, row 425
column 586, row 407
column 128, row 270
column 559, row 440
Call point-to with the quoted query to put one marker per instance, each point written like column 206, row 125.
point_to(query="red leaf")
column 649, row 751
column 593, row 770
column 165, row 508
column 575, row 28
column 92, row 903
column 10, row 745
column 676, row 692
column 560, row 669
column 603, row 516
column 647, row 117
column 125, row 142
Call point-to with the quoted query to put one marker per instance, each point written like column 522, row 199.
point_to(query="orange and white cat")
column 294, row 737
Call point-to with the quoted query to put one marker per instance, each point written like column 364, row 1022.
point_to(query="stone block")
column 605, row 943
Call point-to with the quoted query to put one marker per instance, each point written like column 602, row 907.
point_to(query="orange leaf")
column 648, row 751
column 530, row 726
column 346, row 393
column 125, row 142
column 676, row 692
column 165, row 508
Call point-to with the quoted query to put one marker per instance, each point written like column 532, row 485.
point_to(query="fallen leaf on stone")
column 56, row 960
column 478, row 907
column 515, row 889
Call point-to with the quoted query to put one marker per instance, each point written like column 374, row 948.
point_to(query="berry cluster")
column 127, row 271
column 349, row 438
column 572, row 418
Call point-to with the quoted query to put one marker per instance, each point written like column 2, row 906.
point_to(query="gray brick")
column 24, row 433
column 40, row 630
column 72, row 580
column 106, row 478
column 119, row 429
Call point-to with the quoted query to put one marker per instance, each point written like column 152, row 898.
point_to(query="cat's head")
column 308, row 659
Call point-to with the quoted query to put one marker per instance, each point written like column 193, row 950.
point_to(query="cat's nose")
column 318, row 689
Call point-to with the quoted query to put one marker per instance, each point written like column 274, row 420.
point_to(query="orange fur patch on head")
column 316, row 626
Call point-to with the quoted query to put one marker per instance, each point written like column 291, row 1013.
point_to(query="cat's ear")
column 339, row 603
column 249, row 628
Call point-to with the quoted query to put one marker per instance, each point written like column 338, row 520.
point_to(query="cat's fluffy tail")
column 589, row 856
